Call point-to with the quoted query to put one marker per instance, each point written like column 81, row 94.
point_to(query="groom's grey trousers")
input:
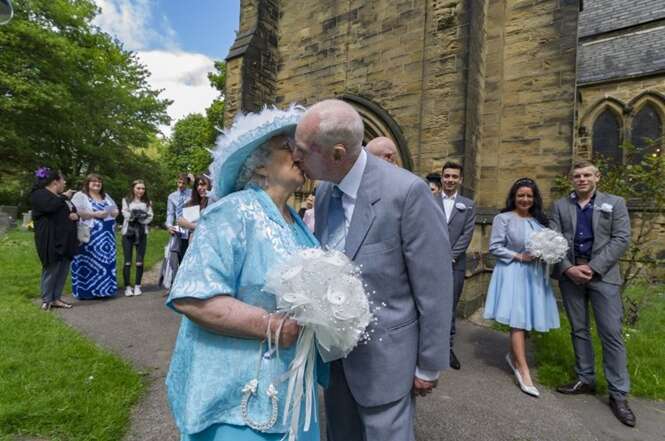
column 349, row 421
column 605, row 300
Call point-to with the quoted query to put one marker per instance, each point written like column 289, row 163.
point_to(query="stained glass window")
column 607, row 137
column 647, row 128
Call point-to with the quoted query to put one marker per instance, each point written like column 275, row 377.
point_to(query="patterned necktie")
column 336, row 239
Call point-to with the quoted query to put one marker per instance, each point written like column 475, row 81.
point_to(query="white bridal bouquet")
column 323, row 292
column 547, row 245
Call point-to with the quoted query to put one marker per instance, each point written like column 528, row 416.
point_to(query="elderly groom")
column 385, row 219
column 597, row 228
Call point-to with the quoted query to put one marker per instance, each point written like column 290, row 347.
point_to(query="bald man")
column 383, row 148
column 385, row 220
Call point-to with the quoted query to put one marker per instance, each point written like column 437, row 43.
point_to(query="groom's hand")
column 580, row 274
column 423, row 387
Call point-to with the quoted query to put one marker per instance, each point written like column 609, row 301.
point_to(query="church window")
column 647, row 129
column 607, row 137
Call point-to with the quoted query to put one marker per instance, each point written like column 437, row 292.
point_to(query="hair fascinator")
column 42, row 172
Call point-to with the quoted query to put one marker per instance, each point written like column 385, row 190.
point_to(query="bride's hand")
column 525, row 257
column 289, row 333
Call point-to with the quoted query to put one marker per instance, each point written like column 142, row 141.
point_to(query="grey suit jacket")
column 460, row 228
column 396, row 237
column 611, row 234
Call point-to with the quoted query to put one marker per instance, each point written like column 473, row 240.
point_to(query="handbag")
column 83, row 232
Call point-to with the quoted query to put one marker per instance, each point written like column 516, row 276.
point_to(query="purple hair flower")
column 42, row 172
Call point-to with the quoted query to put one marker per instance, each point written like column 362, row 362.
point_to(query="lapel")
column 454, row 211
column 598, row 202
column 363, row 212
column 321, row 210
column 572, row 208
column 270, row 208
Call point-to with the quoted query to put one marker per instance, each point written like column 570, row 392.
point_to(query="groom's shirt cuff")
column 426, row 375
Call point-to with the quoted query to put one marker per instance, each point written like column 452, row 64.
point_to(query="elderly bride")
column 223, row 382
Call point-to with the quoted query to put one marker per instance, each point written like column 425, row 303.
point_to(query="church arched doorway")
column 379, row 123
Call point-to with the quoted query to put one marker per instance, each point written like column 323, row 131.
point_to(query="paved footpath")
column 480, row 402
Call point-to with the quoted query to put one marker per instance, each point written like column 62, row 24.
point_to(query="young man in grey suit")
column 385, row 219
column 459, row 215
column 597, row 228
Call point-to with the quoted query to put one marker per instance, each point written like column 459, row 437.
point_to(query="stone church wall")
column 529, row 96
column 492, row 83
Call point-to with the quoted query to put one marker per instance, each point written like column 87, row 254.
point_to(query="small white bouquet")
column 547, row 245
column 323, row 292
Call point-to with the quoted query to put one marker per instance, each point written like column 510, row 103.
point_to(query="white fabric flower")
column 460, row 206
column 322, row 290
column 606, row 208
column 548, row 245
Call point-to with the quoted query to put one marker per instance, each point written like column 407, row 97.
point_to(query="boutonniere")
column 460, row 206
column 605, row 208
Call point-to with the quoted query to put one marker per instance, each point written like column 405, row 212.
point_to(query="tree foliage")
column 73, row 98
column 187, row 148
column 193, row 136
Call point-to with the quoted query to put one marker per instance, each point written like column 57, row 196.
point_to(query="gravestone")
column 7, row 217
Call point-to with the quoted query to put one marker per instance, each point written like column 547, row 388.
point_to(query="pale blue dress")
column 238, row 240
column 519, row 294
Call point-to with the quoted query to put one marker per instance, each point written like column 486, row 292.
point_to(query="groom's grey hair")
column 339, row 123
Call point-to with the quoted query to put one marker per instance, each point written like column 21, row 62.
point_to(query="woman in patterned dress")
column 93, row 269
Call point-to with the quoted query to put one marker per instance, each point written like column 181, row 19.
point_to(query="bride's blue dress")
column 237, row 241
column 519, row 294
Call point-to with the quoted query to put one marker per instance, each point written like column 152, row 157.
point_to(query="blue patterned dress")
column 519, row 294
column 93, row 269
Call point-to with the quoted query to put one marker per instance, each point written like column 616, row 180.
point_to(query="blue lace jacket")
column 238, row 240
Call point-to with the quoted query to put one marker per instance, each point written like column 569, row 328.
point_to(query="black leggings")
column 128, row 243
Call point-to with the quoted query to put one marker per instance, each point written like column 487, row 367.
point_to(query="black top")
column 55, row 233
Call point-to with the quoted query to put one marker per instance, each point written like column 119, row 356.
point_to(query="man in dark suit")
column 597, row 228
column 459, row 215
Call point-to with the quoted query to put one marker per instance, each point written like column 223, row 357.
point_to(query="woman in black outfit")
column 137, row 213
column 54, row 218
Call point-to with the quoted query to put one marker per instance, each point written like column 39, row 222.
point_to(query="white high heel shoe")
column 529, row 390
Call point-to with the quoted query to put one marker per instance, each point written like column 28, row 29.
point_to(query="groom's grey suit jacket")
column 397, row 238
column 611, row 234
column 460, row 228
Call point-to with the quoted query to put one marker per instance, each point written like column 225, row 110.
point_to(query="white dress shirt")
column 349, row 186
column 448, row 204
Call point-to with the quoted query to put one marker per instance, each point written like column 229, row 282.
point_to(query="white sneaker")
column 137, row 290
column 129, row 291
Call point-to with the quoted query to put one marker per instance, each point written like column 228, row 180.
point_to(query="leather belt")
column 581, row 261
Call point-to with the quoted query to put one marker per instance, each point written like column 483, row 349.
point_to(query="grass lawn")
column 54, row 383
column 645, row 344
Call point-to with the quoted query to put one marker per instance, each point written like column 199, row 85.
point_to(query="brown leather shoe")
column 623, row 413
column 576, row 388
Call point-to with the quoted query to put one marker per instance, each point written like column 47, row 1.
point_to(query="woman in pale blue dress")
column 221, row 347
column 520, row 294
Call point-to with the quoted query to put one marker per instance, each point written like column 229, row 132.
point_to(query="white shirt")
column 349, row 186
column 448, row 204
